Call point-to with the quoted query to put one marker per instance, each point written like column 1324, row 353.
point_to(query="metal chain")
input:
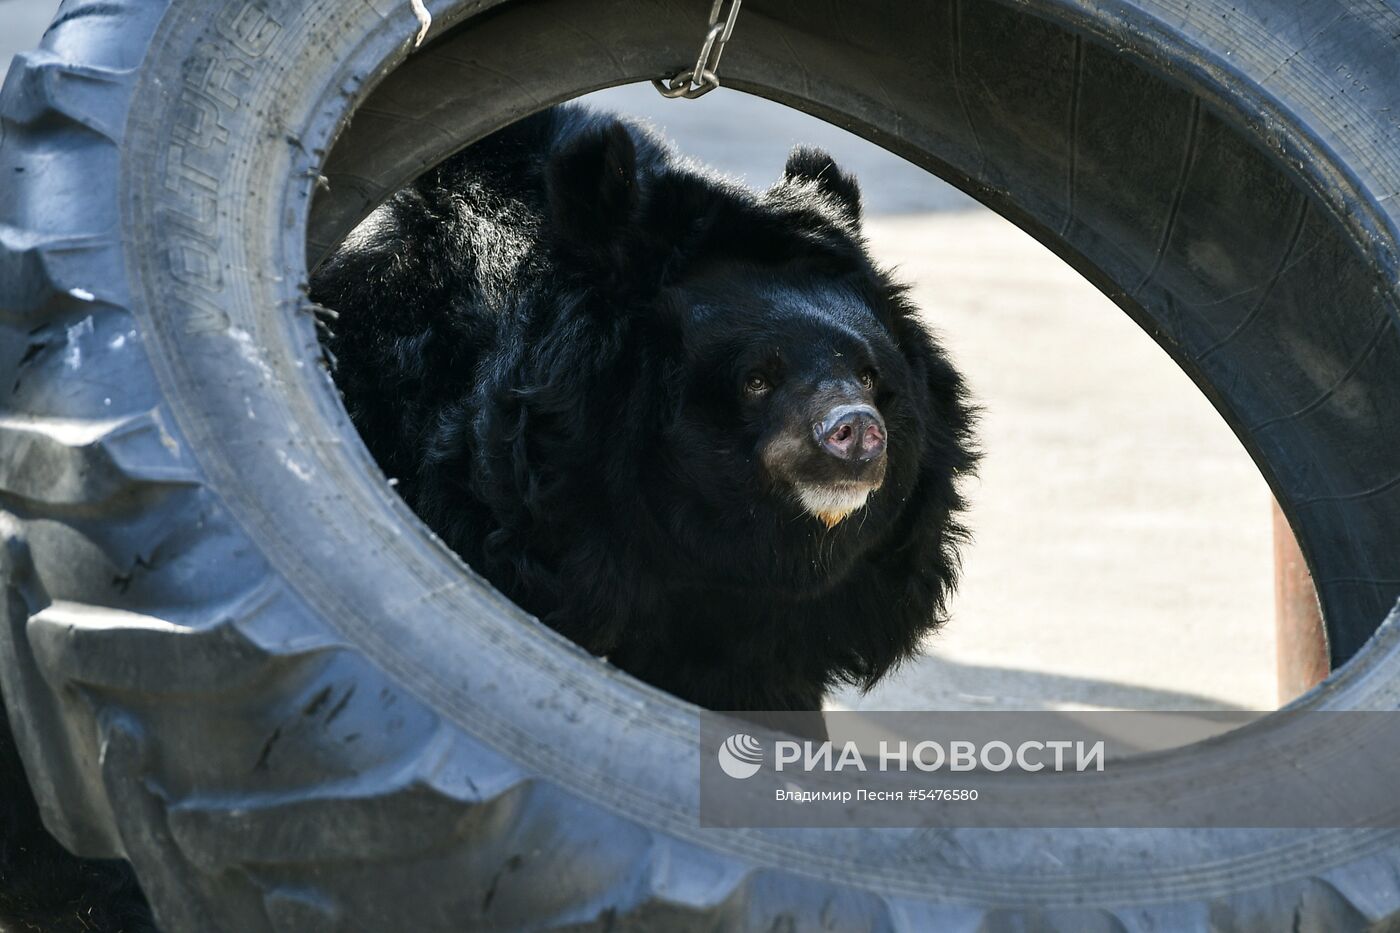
column 704, row 77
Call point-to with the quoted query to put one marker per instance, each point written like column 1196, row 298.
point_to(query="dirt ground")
column 1122, row 555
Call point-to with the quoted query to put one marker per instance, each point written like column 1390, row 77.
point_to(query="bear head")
column 799, row 415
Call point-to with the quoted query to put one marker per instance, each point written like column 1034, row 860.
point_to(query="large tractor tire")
column 231, row 655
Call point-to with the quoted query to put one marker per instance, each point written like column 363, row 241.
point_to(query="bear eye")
column 867, row 379
column 756, row 384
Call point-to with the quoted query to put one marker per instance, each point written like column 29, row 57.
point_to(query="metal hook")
column 704, row 77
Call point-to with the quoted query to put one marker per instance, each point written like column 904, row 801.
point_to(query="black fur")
column 546, row 341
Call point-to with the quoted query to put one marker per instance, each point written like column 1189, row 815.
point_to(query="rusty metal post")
column 1302, row 640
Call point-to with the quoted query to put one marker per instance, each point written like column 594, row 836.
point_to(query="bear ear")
column 816, row 166
column 592, row 185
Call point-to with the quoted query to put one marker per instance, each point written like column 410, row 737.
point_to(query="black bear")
column 692, row 427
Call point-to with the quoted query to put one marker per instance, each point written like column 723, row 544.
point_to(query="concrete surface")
column 1122, row 555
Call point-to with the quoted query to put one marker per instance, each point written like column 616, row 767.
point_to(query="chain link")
column 704, row 77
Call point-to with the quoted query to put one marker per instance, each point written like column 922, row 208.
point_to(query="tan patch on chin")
column 832, row 519
column 831, row 505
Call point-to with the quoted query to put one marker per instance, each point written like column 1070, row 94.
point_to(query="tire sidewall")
column 218, row 173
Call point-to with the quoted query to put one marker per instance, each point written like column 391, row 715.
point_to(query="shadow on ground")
column 945, row 684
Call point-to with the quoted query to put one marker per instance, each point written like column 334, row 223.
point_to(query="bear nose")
column 851, row 432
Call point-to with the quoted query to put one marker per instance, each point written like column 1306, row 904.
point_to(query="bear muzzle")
column 851, row 432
